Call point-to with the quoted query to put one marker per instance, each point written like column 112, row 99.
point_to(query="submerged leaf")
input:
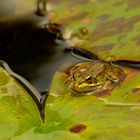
column 109, row 29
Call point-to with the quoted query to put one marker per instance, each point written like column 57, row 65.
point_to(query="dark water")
column 30, row 50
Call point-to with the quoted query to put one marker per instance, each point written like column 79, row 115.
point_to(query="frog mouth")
column 81, row 90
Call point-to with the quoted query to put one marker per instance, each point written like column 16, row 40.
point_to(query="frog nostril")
column 95, row 81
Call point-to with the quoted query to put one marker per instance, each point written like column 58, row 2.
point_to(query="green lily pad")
column 110, row 116
column 115, row 115
column 18, row 111
column 110, row 29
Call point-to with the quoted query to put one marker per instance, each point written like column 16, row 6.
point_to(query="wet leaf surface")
column 95, row 117
column 18, row 112
column 72, row 117
column 109, row 29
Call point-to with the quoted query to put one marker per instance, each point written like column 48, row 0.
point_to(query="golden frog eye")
column 91, row 80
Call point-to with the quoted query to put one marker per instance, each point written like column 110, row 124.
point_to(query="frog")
column 94, row 77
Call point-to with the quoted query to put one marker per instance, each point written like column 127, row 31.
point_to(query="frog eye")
column 91, row 80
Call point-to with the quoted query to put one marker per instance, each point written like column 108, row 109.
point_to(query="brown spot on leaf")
column 114, row 27
column 84, row 21
column 133, row 4
column 135, row 90
column 18, row 117
column 104, row 17
column 78, row 128
column 118, row 3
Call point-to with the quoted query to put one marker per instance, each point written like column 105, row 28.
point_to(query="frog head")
column 92, row 77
